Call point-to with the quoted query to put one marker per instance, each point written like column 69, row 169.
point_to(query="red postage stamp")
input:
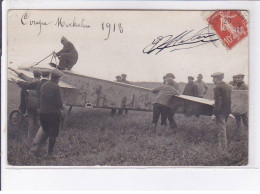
column 230, row 26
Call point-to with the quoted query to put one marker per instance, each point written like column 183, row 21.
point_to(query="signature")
column 184, row 40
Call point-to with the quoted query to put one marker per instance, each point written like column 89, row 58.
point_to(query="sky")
column 122, row 52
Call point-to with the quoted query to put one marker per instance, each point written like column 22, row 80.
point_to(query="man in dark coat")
column 222, row 107
column 123, row 79
column 34, row 101
column 68, row 56
column 50, row 112
column 191, row 89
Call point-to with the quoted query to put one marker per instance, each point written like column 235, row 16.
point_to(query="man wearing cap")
column 34, row 103
column 24, row 93
column 191, row 89
column 233, row 83
column 222, row 107
column 30, row 100
column 202, row 86
column 244, row 117
column 68, row 56
column 118, row 78
column 161, row 105
column 50, row 107
column 171, row 113
column 123, row 79
column 171, row 75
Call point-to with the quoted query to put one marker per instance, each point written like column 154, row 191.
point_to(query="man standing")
column 202, row 86
column 123, row 79
column 240, row 85
column 161, row 104
column 50, row 107
column 171, row 75
column 233, row 83
column 68, row 56
column 222, row 107
column 118, row 78
column 191, row 89
column 171, row 113
column 34, row 101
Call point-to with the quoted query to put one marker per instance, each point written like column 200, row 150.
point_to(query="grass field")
column 95, row 137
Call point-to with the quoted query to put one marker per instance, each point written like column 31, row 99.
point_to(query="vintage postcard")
column 127, row 88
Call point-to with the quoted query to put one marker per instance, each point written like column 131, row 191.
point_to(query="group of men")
column 122, row 78
column 41, row 99
column 41, row 102
column 222, row 97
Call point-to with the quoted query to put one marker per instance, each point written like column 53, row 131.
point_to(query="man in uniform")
column 50, row 111
column 123, row 79
column 68, row 56
column 222, row 107
column 202, row 86
column 24, row 93
column 240, row 85
column 191, row 89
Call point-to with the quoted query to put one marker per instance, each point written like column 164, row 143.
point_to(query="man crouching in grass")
column 161, row 104
column 50, row 107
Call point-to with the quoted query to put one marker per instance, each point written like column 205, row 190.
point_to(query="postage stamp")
column 230, row 26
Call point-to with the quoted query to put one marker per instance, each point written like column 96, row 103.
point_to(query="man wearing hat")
column 191, row 89
column 244, row 117
column 34, row 103
column 233, row 83
column 202, row 86
column 161, row 106
column 50, row 107
column 123, row 79
column 68, row 56
column 118, row 78
column 171, row 113
column 222, row 107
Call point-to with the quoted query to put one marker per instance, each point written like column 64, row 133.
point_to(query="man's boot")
column 52, row 141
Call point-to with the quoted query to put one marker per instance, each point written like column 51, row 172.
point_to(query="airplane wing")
column 14, row 78
column 190, row 105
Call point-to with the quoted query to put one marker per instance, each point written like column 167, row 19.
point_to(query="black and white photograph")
column 124, row 88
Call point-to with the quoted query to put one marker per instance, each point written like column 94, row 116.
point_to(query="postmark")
column 230, row 26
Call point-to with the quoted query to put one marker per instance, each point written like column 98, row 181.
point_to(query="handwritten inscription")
column 75, row 22
column 184, row 40
column 112, row 28
column 25, row 20
column 60, row 22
